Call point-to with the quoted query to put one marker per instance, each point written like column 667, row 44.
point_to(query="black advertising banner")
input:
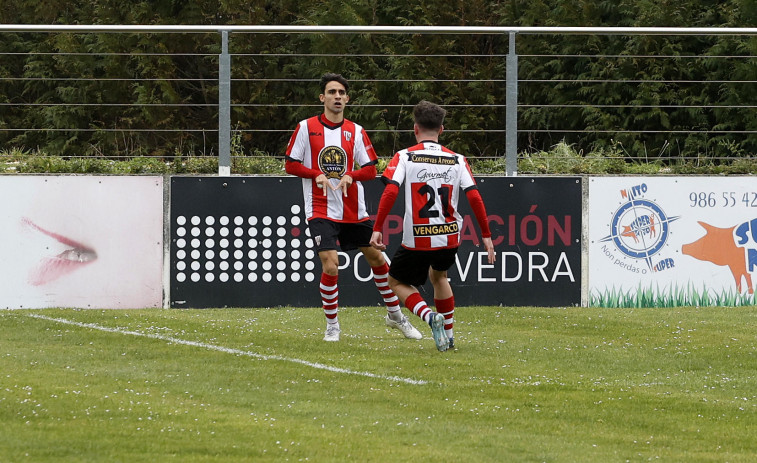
column 536, row 229
column 244, row 242
column 240, row 242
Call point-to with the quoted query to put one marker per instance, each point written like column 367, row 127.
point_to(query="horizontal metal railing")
column 510, row 125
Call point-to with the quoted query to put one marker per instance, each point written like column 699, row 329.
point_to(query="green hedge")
column 562, row 159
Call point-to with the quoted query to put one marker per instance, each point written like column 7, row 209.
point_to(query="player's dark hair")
column 329, row 77
column 428, row 115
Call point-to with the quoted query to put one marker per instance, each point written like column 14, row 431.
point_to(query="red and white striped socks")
column 330, row 298
column 446, row 307
column 418, row 306
column 392, row 302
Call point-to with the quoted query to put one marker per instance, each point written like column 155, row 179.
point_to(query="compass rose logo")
column 640, row 229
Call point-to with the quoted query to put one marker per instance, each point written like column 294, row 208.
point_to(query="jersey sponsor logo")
column 333, row 161
column 435, row 230
column 424, row 175
column 316, row 134
column 432, row 159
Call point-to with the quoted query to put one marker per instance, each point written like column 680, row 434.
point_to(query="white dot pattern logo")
column 235, row 249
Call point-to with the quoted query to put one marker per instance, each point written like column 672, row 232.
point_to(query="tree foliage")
column 126, row 94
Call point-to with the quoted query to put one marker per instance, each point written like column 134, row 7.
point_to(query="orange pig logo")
column 719, row 246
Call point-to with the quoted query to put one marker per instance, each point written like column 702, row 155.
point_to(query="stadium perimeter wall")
column 242, row 241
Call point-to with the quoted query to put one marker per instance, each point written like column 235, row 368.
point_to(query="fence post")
column 511, row 110
column 224, row 107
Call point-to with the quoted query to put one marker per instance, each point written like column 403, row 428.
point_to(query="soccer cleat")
column 452, row 345
column 437, row 329
column 332, row 333
column 404, row 325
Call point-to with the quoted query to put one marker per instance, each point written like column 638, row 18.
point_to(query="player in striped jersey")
column 333, row 156
column 433, row 177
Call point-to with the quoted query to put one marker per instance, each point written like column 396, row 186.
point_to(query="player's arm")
column 365, row 173
column 385, row 206
column 298, row 169
column 479, row 210
column 293, row 160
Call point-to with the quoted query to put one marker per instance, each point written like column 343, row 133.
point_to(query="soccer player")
column 333, row 156
column 433, row 177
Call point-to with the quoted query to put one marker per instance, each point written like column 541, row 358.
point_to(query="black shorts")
column 350, row 235
column 411, row 266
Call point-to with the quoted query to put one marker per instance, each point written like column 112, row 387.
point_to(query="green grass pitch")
column 259, row 385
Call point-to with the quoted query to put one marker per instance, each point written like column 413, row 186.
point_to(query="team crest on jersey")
column 348, row 136
column 333, row 161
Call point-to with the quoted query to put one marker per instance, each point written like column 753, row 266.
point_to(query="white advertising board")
column 672, row 241
column 81, row 241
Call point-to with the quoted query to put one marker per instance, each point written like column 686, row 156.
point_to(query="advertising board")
column 244, row 242
column 672, row 241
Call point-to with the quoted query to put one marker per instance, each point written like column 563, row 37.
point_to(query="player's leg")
column 415, row 303
column 444, row 300
column 330, row 292
column 411, row 298
column 407, row 272
column 394, row 317
column 380, row 268
column 324, row 234
column 358, row 236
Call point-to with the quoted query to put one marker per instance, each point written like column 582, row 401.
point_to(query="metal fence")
column 222, row 123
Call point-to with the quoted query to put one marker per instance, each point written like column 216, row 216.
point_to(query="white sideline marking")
column 228, row 350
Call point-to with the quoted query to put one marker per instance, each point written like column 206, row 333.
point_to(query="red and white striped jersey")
column 334, row 150
column 433, row 177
